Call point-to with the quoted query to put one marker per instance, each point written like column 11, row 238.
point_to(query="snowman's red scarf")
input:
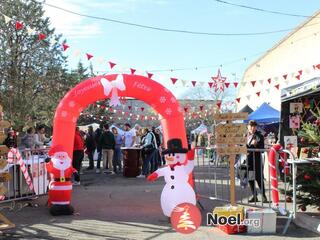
column 174, row 165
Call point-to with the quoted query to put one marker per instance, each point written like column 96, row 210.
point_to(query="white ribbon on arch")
column 113, row 86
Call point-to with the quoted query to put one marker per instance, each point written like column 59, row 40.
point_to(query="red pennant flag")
column 227, row 84
column 318, row 66
column 194, row 83
column 285, row 76
column 89, row 56
column 277, row 86
column 210, row 84
column 300, row 72
column 150, row 75
column 219, row 104
column 65, row 47
column 269, row 80
column 258, row 94
column 235, row 84
column 185, row 109
column 201, row 108
column 112, row 64
column 19, row 25
column 142, row 108
column 41, row 36
column 132, row 70
column 253, row 83
column 110, row 109
column 129, row 107
column 174, row 80
column 298, row 77
column 238, row 100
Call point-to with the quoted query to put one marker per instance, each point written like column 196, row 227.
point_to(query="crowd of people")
column 104, row 144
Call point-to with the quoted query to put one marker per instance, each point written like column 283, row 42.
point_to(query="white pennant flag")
column 201, row 84
column 77, row 52
column 276, row 79
column 184, row 82
column 100, row 60
column 268, row 90
column 52, row 41
column 307, row 70
column 248, row 97
column 6, row 18
column 243, row 84
column 261, row 82
column 30, row 30
column 292, row 75
column 286, row 83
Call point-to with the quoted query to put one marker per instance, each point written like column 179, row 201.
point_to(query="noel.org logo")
column 214, row 219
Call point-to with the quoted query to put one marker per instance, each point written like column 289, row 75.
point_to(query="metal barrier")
column 212, row 180
column 17, row 187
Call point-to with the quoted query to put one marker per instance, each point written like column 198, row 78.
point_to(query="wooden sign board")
column 231, row 128
column 2, row 138
column 5, row 177
column 1, row 109
column 3, row 149
column 231, row 140
column 229, row 135
column 231, row 150
column 230, row 116
column 5, row 124
column 3, row 163
column 3, row 190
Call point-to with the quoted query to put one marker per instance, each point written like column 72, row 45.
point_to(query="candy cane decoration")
column 273, row 173
column 15, row 153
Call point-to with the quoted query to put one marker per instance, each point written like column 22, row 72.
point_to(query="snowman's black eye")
column 172, row 154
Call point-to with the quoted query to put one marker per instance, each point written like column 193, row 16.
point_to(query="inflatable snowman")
column 176, row 174
column 60, row 187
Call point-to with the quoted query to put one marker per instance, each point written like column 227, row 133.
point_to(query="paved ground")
column 114, row 207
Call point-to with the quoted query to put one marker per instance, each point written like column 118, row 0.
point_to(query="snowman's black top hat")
column 174, row 146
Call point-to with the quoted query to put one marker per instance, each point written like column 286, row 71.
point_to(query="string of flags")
column 218, row 83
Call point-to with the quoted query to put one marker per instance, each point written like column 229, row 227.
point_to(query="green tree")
column 33, row 72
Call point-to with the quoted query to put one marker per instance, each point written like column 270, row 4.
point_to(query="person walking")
column 255, row 140
column 78, row 154
column 91, row 146
column 97, row 136
column 117, row 167
column 107, row 143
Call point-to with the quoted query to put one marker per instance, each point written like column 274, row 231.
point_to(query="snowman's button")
column 172, row 177
column 172, row 187
column 172, row 169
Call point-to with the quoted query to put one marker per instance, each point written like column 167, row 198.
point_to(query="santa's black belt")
column 62, row 179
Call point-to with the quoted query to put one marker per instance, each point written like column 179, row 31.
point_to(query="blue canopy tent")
column 265, row 114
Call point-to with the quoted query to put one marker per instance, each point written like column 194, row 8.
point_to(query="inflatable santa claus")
column 60, row 171
column 176, row 174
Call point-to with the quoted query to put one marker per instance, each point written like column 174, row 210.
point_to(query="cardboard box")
column 227, row 212
column 267, row 218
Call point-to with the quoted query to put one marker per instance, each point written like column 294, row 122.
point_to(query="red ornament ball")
column 303, row 208
column 288, row 199
column 307, row 177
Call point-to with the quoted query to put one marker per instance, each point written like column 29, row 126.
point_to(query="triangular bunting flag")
column 30, row 30
column 235, row 84
column 149, row 75
column 112, row 64
column 269, row 80
column 285, row 76
column 268, row 90
column 65, row 46
column 100, row 60
column 132, row 71
column 129, row 107
column 201, row 108
column 219, row 103
column 226, row 84
column 142, row 109
column 318, row 66
column 194, row 83
column 89, row 56
column 77, row 53
column 174, row 80
column 210, row 84
column 300, row 72
column 243, row 84
column 18, row 25
column 201, row 83
column 184, row 82
column 248, row 97
column 41, row 36
column 286, row 82
column 258, row 94
column 298, row 77
column 253, row 83
column 277, row 86
column 6, row 18
column 238, row 100
column 261, row 82
column 185, row 109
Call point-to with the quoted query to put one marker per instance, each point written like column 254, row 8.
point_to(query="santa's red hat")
column 56, row 148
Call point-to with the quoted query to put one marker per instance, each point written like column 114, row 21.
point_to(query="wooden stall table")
column 131, row 161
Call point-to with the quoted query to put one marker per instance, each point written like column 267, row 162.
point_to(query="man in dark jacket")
column 97, row 136
column 107, row 143
column 91, row 146
column 255, row 140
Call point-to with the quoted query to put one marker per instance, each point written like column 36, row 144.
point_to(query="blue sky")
column 148, row 49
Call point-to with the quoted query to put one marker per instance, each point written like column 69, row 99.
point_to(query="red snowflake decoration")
column 219, row 82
